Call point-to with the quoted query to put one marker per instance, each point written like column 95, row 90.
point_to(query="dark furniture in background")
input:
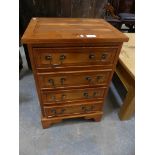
column 59, row 8
column 119, row 12
column 71, row 8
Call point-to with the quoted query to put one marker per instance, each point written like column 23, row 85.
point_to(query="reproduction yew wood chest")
column 73, row 60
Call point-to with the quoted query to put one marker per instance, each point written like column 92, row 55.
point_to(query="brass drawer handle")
column 62, row 80
column 87, row 109
column 62, row 111
column 48, row 57
column 83, row 108
column 55, row 65
column 62, row 57
column 91, row 56
column 54, row 112
column 85, row 94
column 104, row 56
column 99, row 78
column 88, row 78
column 51, row 81
column 63, row 97
column 55, row 100
column 94, row 94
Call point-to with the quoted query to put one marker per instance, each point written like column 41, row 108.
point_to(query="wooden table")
column 126, row 72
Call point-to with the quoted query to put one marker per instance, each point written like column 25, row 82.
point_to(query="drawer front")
column 71, row 110
column 59, row 97
column 69, row 79
column 49, row 57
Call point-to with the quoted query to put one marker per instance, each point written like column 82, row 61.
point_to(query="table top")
column 127, row 55
column 71, row 30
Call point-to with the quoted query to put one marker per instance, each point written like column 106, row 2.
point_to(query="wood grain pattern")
column 128, row 107
column 126, row 72
column 127, row 55
column 56, row 111
column 72, row 79
column 72, row 95
column 72, row 74
column 47, row 122
column 71, row 30
column 64, row 57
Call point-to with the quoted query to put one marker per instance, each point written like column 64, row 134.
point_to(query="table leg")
column 128, row 106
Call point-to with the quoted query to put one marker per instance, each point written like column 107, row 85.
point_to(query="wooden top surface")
column 127, row 55
column 49, row 30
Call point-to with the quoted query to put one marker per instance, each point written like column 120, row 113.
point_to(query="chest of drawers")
column 73, row 61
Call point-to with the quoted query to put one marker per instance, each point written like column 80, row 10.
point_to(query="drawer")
column 54, row 111
column 56, row 57
column 60, row 97
column 74, row 78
